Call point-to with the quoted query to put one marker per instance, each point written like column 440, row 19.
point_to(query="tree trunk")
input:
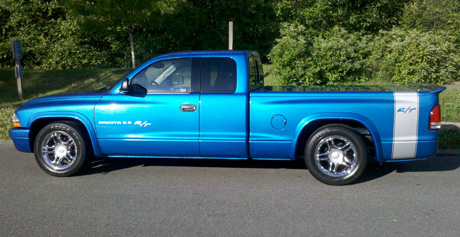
column 133, row 55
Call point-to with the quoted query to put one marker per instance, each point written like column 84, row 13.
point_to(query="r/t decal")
column 404, row 110
column 142, row 124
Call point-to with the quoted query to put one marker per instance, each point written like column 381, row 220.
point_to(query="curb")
column 449, row 151
column 6, row 142
column 450, row 125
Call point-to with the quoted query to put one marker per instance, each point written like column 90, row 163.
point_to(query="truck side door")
column 161, row 121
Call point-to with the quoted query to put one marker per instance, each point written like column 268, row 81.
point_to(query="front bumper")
column 20, row 137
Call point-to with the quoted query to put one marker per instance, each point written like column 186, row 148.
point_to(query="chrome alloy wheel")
column 59, row 150
column 336, row 156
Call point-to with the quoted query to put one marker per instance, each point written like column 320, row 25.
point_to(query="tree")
column 336, row 57
column 203, row 24
column 51, row 39
column 319, row 16
column 433, row 15
column 327, row 41
column 123, row 17
column 106, row 33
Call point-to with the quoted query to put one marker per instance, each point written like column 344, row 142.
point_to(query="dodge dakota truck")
column 214, row 105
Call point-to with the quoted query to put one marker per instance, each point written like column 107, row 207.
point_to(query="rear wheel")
column 336, row 155
column 60, row 149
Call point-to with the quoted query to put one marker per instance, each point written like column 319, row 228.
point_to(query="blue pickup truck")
column 213, row 104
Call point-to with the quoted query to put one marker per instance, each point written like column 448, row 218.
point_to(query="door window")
column 167, row 76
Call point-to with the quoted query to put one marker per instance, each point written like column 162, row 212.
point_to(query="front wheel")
column 336, row 155
column 60, row 149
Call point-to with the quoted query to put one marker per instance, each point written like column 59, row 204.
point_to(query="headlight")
column 16, row 121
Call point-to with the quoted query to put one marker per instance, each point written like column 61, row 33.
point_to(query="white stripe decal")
column 405, row 130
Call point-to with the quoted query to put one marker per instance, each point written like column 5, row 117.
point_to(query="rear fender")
column 304, row 123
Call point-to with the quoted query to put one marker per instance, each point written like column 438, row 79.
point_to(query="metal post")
column 18, row 70
column 133, row 55
column 230, row 35
column 17, row 55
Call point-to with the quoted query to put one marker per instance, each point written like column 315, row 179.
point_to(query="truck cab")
column 186, row 104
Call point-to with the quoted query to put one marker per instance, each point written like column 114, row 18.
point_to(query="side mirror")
column 124, row 85
column 136, row 89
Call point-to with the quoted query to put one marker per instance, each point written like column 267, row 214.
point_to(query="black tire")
column 336, row 155
column 61, row 150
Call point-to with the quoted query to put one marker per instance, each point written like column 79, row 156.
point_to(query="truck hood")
column 64, row 98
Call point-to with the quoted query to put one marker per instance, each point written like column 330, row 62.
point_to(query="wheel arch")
column 359, row 123
column 40, row 120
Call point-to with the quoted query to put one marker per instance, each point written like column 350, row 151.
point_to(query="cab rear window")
column 218, row 75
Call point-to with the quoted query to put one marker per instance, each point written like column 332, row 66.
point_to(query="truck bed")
column 351, row 88
column 396, row 117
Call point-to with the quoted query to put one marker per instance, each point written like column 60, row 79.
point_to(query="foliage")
column 410, row 56
column 6, row 121
column 433, row 15
column 337, row 57
column 449, row 139
column 50, row 38
column 203, row 24
column 269, row 78
column 370, row 46
column 291, row 54
column 319, row 16
column 48, row 82
column 58, row 34
column 116, row 21
column 319, row 41
column 340, row 57
column 450, row 105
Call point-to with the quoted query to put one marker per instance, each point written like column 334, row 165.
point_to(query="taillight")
column 435, row 118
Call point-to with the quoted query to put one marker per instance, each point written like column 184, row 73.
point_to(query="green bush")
column 450, row 105
column 337, row 57
column 434, row 15
column 320, row 16
column 6, row 122
column 50, row 37
column 410, row 56
column 290, row 55
column 448, row 139
column 340, row 57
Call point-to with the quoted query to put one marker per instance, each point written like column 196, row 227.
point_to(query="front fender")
column 74, row 116
column 338, row 116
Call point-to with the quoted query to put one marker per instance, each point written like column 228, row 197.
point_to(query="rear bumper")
column 20, row 137
column 427, row 148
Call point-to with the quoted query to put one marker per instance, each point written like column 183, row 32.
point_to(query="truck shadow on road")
column 445, row 161
column 110, row 165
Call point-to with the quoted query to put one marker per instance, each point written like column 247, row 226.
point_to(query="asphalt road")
column 227, row 198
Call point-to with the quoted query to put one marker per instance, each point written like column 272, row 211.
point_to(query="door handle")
column 188, row 108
